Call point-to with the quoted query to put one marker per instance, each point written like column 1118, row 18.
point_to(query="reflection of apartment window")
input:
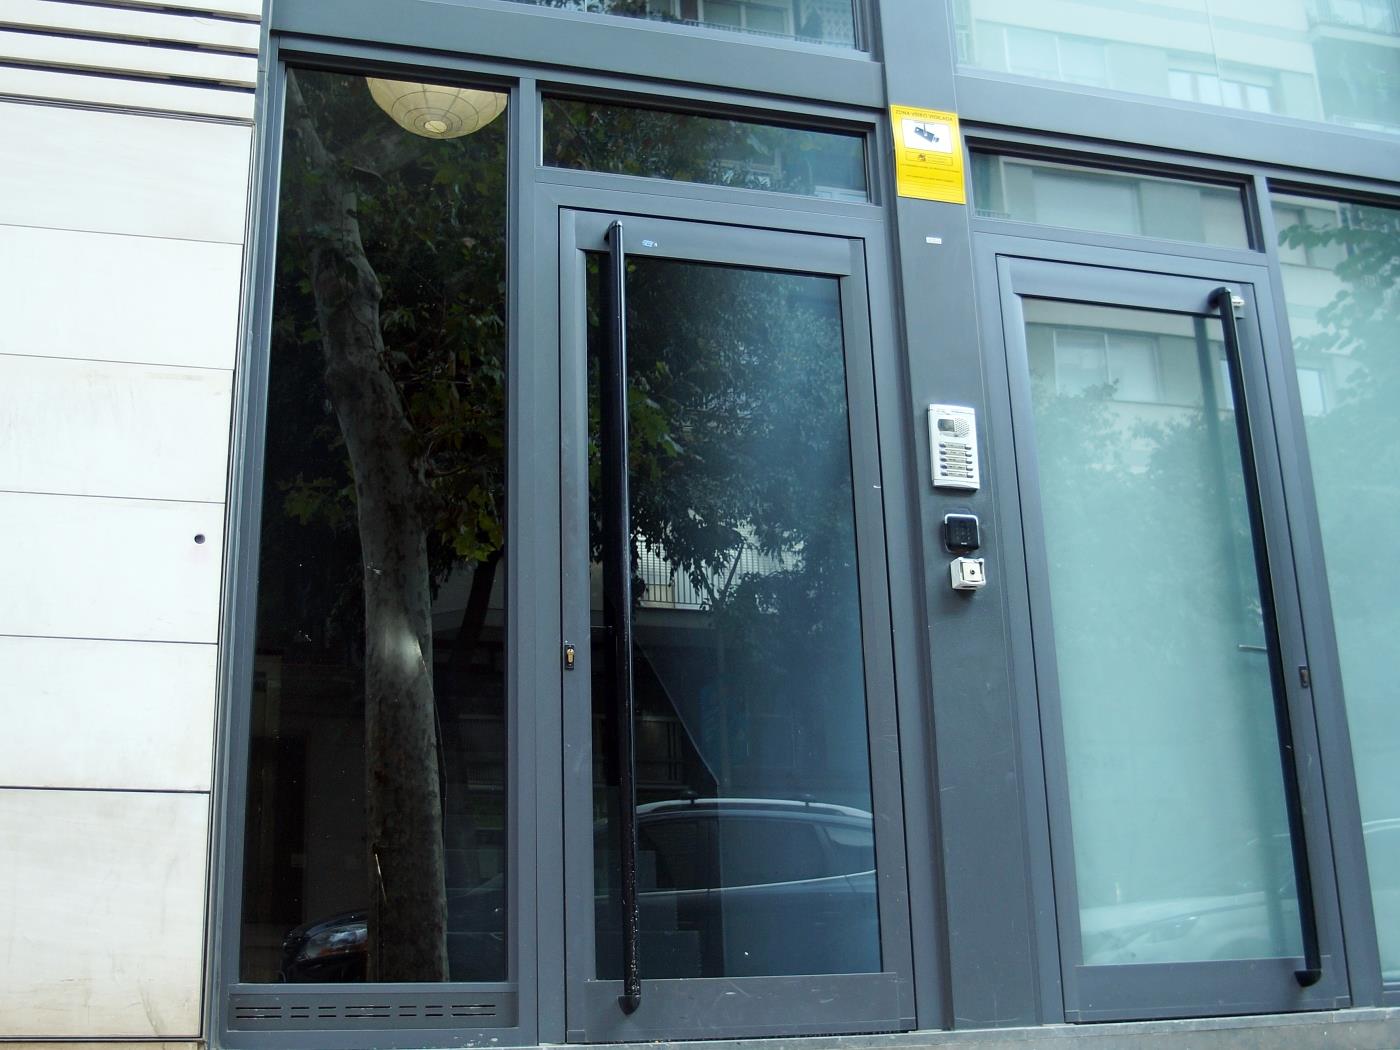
column 1081, row 201
column 1036, row 53
column 1086, row 358
column 962, row 30
column 1214, row 90
column 737, row 14
column 1316, row 251
column 1311, row 391
column 1379, row 16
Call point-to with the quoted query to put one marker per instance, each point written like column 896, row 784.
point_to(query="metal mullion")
column 528, row 635
column 238, row 619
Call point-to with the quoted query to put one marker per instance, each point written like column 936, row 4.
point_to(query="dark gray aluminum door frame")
column 720, row 1007
column 1099, row 276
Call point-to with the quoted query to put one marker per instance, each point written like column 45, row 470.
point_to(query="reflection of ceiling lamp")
column 436, row 111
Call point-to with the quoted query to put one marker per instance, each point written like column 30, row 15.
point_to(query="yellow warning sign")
column 928, row 156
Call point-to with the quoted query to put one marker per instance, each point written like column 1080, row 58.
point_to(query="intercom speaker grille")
column 960, row 427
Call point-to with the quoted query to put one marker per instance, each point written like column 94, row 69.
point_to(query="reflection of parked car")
column 727, row 887
column 330, row 950
column 1383, row 859
column 1250, row 920
column 1242, row 906
column 333, row 949
column 735, row 887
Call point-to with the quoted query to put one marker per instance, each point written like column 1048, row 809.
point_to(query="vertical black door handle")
column 617, row 596
column 1223, row 299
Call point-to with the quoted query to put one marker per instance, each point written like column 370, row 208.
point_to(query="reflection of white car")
column 1253, row 923
column 734, row 887
column 1192, row 929
column 1253, row 916
column 1383, row 860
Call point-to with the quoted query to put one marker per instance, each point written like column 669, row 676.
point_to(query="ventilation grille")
column 293, row 1011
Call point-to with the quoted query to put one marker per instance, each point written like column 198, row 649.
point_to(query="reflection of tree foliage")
column 390, row 314
column 1355, row 444
column 739, row 444
column 1354, row 447
column 1152, row 575
column 1135, row 476
column 629, row 140
column 386, row 445
column 432, row 219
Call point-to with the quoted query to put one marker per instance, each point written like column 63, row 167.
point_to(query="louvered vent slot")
column 269, row 1012
column 257, row 1013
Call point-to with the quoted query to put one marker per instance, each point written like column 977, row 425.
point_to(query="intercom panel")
column 952, row 433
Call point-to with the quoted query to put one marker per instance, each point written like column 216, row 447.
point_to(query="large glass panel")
column 1181, row 843
column 660, row 144
column 756, row 842
column 375, row 846
column 1080, row 198
column 817, row 21
column 1341, row 280
column 1328, row 60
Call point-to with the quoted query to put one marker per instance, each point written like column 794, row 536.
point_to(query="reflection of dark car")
column 333, row 949
column 727, row 887
column 330, row 950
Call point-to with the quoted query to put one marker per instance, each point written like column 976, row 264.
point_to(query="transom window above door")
column 817, row 21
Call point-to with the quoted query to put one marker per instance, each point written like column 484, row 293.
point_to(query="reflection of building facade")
column 473, row 571
column 1331, row 61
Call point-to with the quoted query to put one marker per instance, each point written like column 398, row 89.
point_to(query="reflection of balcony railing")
column 1372, row 16
column 670, row 587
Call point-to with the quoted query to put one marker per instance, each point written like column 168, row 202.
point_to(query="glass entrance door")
column 726, row 869
column 1185, row 810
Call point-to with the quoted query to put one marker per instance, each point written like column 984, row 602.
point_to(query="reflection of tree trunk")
column 408, row 906
column 474, row 616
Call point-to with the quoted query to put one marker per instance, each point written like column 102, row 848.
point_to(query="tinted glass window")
column 1176, row 798
column 747, row 660
column 375, row 846
column 815, row 21
column 1326, row 60
column 1107, row 201
column 659, row 144
column 1341, row 280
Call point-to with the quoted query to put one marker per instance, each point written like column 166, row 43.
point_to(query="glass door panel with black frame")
column 751, row 685
column 1178, row 834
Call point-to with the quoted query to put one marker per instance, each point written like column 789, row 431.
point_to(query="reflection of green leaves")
column 432, row 217
column 1354, row 446
column 691, row 148
column 319, row 500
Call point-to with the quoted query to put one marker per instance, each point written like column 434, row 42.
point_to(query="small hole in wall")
column 199, row 537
